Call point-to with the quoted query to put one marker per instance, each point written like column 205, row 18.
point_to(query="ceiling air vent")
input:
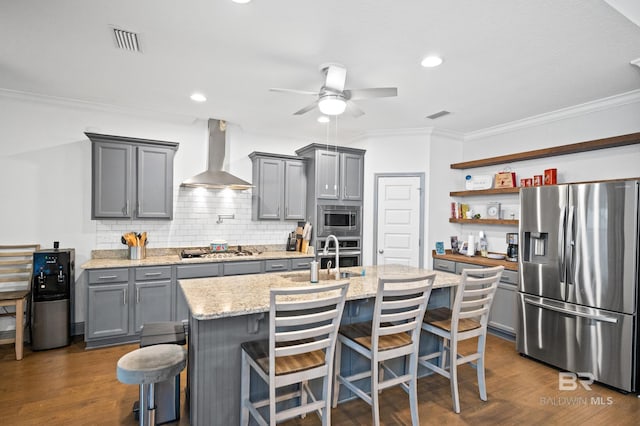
column 126, row 40
column 438, row 114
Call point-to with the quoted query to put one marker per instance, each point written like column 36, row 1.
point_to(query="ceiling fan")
column 333, row 99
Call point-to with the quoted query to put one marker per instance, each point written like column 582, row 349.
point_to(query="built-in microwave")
column 341, row 221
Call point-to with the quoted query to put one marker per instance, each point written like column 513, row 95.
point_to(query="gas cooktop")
column 191, row 253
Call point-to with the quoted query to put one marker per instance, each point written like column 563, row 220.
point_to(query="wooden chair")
column 16, row 266
column 394, row 332
column 468, row 319
column 303, row 324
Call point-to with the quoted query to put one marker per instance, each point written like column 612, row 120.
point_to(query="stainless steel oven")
column 347, row 260
column 341, row 221
column 350, row 253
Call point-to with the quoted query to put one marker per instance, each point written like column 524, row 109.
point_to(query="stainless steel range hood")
column 214, row 177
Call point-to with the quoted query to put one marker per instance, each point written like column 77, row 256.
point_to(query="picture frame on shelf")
column 440, row 247
column 493, row 210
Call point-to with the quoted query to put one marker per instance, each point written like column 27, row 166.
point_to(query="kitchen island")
column 227, row 311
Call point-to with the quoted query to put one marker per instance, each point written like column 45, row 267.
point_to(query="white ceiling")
column 504, row 59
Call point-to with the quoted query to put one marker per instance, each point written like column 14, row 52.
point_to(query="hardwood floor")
column 73, row 386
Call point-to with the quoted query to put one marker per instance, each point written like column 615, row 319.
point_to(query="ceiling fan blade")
column 299, row 92
column 306, row 109
column 374, row 92
column 336, row 77
column 354, row 109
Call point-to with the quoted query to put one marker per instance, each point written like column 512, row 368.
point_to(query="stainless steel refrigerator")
column 578, row 291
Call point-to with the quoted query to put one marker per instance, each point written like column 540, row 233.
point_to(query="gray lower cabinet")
column 121, row 300
column 131, row 178
column 108, row 313
column 502, row 317
column 277, row 265
column 153, row 301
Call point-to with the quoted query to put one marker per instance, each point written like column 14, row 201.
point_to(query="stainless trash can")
column 167, row 393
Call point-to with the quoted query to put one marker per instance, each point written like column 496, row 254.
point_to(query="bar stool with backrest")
column 394, row 332
column 303, row 323
column 467, row 320
column 16, row 272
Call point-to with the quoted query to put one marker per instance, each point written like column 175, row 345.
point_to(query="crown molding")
column 560, row 114
column 96, row 106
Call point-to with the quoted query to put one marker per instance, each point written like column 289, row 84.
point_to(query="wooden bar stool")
column 303, row 323
column 16, row 268
column 393, row 333
column 467, row 320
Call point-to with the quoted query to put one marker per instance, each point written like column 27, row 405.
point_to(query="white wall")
column 402, row 152
column 45, row 170
column 611, row 117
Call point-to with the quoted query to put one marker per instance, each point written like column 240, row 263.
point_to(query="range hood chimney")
column 214, row 177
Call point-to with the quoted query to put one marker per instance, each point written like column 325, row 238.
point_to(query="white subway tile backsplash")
column 194, row 223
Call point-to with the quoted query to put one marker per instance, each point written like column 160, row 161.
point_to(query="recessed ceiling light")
column 323, row 119
column 431, row 61
column 198, row 97
column 241, row 1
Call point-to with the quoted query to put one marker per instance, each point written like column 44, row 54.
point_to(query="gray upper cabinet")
column 327, row 178
column 112, row 177
column 337, row 173
column 280, row 187
column 295, row 190
column 351, row 174
column 131, row 178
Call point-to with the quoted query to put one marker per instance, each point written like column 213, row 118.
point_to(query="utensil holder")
column 137, row 253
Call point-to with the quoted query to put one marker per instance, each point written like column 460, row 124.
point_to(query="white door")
column 398, row 220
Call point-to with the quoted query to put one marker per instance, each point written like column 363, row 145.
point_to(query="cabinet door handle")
column 277, row 266
column 138, row 208
column 107, row 277
column 137, row 295
column 126, row 208
column 381, row 251
column 303, row 265
column 152, row 274
column 278, row 211
column 124, row 296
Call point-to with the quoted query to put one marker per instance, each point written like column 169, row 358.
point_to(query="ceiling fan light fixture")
column 431, row 61
column 332, row 105
column 323, row 119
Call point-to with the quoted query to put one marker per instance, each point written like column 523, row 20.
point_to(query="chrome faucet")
column 336, row 270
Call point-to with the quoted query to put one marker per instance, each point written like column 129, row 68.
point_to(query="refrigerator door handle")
column 562, row 231
column 543, row 305
column 570, row 245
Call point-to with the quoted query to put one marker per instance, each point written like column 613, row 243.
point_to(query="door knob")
column 381, row 251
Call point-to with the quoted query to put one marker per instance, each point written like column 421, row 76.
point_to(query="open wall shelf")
column 510, row 222
column 616, row 141
column 493, row 191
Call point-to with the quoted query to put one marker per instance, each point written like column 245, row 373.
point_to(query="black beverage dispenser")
column 53, row 275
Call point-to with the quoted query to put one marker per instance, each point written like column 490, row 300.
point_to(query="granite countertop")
column 175, row 259
column 219, row 297
column 476, row 260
